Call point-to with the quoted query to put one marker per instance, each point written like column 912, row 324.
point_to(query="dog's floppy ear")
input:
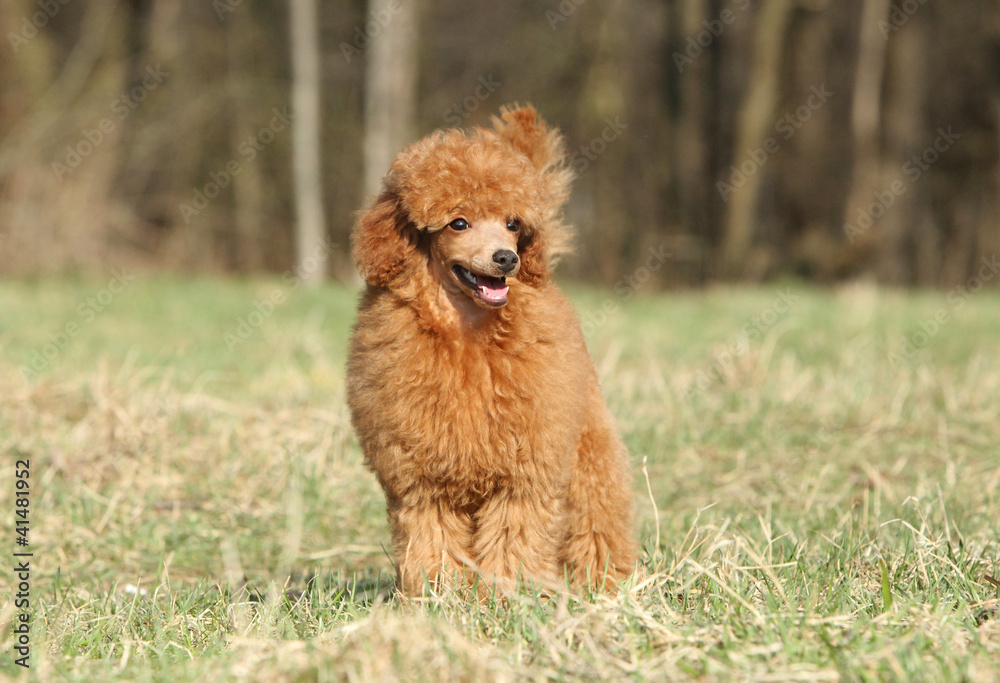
column 383, row 241
column 535, row 268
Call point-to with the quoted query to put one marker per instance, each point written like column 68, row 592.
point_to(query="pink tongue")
column 491, row 288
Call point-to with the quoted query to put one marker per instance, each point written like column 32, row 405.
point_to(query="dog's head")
column 472, row 208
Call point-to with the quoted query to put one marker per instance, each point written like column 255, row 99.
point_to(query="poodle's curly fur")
column 470, row 386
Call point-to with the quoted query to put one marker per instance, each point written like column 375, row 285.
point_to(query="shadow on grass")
column 361, row 590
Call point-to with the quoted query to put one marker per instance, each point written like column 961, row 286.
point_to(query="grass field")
column 822, row 500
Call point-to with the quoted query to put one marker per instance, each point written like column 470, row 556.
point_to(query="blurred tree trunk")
column 53, row 104
column 754, row 121
column 986, row 231
column 137, row 30
column 605, row 93
column 390, row 86
column 908, row 242
column 248, row 185
column 655, row 232
column 691, row 159
column 310, row 227
column 804, row 227
column 866, row 123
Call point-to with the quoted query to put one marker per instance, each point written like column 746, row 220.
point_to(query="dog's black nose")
column 506, row 259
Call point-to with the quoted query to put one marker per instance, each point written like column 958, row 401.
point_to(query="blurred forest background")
column 745, row 139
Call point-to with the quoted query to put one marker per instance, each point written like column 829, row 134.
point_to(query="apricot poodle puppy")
column 470, row 387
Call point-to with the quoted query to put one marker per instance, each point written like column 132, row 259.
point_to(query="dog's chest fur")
column 468, row 413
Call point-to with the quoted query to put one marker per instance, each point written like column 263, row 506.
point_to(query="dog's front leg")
column 516, row 534
column 432, row 543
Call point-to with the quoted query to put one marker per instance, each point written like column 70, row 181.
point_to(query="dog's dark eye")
column 459, row 224
column 513, row 225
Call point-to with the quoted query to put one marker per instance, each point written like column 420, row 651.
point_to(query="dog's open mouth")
column 490, row 290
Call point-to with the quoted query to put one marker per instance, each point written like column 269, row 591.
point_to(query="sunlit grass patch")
column 813, row 510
